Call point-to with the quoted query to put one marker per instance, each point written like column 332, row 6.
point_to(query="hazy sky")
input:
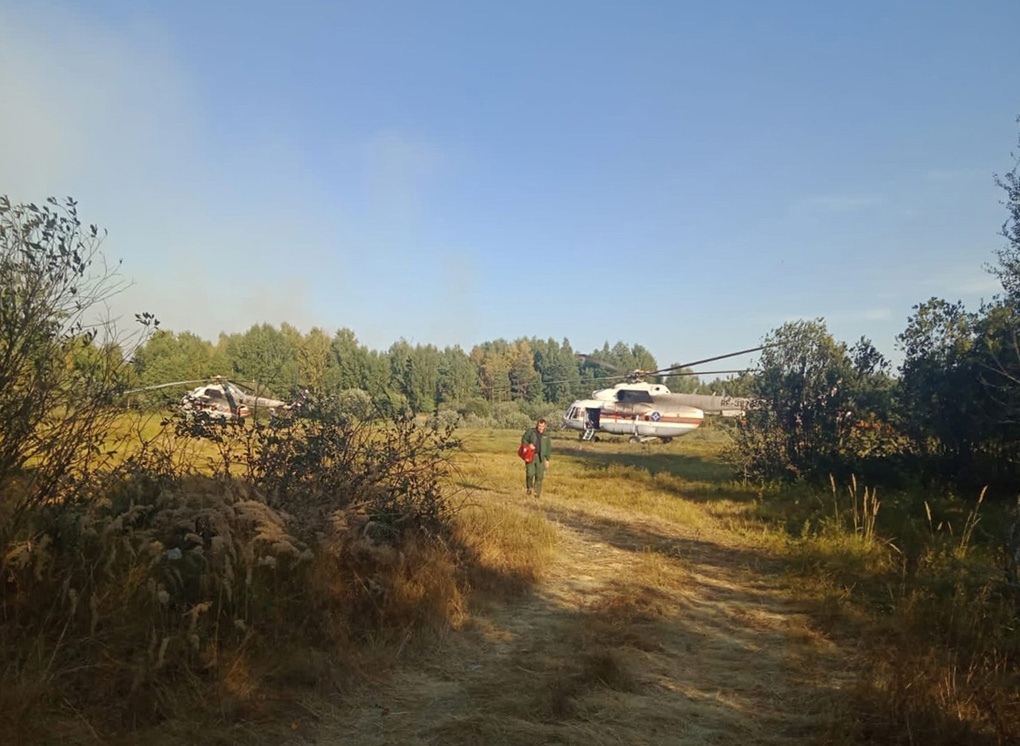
column 684, row 176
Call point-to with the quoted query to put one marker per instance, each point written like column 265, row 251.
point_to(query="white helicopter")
column 648, row 411
column 222, row 400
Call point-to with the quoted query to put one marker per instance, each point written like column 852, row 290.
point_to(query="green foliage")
column 509, row 416
column 683, row 384
column 551, row 413
column 356, row 403
column 313, row 354
column 737, row 385
column 264, row 354
column 458, row 379
column 524, row 379
column 623, row 357
column 58, row 377
column 475, row 407
column 997, row 351
column 810, row 393
column 493, row 362
column 353, row 365
column 557, row 366
column 501, row 416
column 422, row 378
column 1008, row 268
column 959, row 392
column 939, row 385
column 326, row 460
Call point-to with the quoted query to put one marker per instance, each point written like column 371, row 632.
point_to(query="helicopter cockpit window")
column 214, row 393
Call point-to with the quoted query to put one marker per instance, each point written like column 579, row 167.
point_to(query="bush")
column 475, row 407
column 136, row 588
column 154, row 574
column 357, row 403
column 447, row 418
column 551, row 413
column 508, row 416
column 54, row 357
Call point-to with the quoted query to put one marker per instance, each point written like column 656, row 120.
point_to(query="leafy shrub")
column 508, row 416
column 447, row 418
column 357, row 403
column 476, row 407
column 52, row 358
column 551, row 413
column 326, row 461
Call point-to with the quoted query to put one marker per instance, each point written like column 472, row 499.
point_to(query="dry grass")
column 646, row 598
column 162, row 595
column 644, row 625
column 506, row 549
column 925, row 607
column 940, row 663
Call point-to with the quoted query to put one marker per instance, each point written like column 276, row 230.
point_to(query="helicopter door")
column 591, row 417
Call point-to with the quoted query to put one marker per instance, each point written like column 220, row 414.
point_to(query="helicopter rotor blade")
column 707, row 372
column 666, row 371
column 602, row 363
column 165, row 385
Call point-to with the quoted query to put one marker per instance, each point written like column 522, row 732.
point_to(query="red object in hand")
column 526, row 452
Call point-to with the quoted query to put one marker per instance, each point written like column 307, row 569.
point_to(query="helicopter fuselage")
column 224, row 401
column 640, row 410
column 217, row 401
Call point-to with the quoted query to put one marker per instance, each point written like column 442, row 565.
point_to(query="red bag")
column 526, row 452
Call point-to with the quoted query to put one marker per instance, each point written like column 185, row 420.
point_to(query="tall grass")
column 201, row 585
column 918, row 585
column 926, row 606
column 196, row 581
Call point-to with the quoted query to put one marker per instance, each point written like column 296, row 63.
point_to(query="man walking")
column 535, row 471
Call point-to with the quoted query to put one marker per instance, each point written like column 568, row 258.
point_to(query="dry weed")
column 505, row 548
column 158, row 594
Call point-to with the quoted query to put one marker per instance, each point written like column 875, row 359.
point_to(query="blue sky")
column 684, row 176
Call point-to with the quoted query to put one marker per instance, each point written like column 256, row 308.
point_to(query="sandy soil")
column 643, row 632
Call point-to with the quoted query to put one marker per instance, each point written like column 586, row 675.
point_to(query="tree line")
column 420, row 377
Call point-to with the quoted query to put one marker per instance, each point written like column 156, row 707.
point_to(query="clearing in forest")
column 652, row 621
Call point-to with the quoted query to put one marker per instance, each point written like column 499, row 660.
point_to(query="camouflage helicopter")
column 223, row 400
column 649, row 411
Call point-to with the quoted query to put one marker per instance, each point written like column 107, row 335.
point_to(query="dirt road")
column 642, row 632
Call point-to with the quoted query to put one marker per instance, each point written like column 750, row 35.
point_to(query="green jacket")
column 542, row 443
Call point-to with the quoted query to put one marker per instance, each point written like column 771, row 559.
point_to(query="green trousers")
column 535, row 472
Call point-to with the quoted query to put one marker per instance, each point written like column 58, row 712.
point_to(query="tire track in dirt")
column 643, row 631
